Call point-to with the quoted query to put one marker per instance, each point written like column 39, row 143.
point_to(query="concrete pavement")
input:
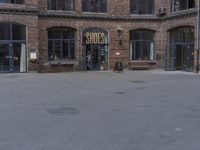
column 145, row 110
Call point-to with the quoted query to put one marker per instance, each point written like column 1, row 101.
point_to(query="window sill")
column 144, row 61
column 143, row 16
column 95, row 13
column 70, row 62
column 61, row 11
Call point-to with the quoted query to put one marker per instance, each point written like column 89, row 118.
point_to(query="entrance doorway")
column 184, row 57
column 180, row 57
column 12, row 57
column 12, row 47
column 96, row 57
column 95, row 49
column 180, row 53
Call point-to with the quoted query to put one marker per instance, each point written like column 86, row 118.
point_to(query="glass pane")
column 65, row 5
column 138, row 51
column 191, row 53
column 65, row 49
column 50, row 49
column 142, row 6
column 17, row 1
column 141, row 35
column 146, row 49
column 54, row 34
column 170, row 58
column 4, row 58
column 69, row 5
column 5, row 31
column 68, row 34
column 19, row 32
column 72, row 49
column 95, row 5
column 186, row 57
column 4, row 1
column 19, row 57
column 57, row 50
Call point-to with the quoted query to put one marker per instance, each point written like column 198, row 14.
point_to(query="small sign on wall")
column 117, row 53
column 33, row 55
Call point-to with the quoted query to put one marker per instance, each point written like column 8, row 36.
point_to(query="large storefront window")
column 61, row 44
column 95, row 49
column 180, row 52
column 142, row 6
column 64, row 5
column 12, row 48
column 142, row 45
column 94, row 5
column 12, row 1
column 178, row 5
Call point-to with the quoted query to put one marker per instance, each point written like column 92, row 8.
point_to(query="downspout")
column 198, row 16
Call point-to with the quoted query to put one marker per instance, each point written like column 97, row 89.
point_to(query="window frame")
column 137, row 2
column 85, row 9
column 142, row 42
column 15, row 2
column 53, row 6
column 70, row 55
column 173, row 9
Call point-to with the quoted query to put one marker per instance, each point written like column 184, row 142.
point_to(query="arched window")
column 142, row 6
column 64, row 5
column 94, row 6
column 61, row 43
column 180, row 52
column 12, row 1
column 182, row 35
column 142, row 44
column 178, row 5
column 12, row 47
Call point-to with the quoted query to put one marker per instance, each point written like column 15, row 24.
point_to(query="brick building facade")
column 75, row 35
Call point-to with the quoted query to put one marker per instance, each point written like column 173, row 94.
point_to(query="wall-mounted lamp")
column 119, row 30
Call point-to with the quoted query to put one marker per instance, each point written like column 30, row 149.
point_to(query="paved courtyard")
column 150, row 110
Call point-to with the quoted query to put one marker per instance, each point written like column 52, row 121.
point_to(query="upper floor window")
column 142, row 6
column 94, row 5
column 178, row 5
column 64, row 5
column 12, row 1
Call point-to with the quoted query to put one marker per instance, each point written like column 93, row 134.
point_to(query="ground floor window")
column 142, row 45
column 61, row 44
column 13, row 48
column 12, row 1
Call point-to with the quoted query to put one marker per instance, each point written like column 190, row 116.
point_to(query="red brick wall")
column 37, row 27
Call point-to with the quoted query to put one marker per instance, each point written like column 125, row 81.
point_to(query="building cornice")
column 19, row 11
column 91, row 16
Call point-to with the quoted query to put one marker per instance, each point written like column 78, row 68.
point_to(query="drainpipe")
column 198, row 16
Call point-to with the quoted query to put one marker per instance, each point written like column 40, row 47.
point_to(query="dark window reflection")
column 142, row 6
column 61, row 44
column 64, row 5
column 95, row 6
